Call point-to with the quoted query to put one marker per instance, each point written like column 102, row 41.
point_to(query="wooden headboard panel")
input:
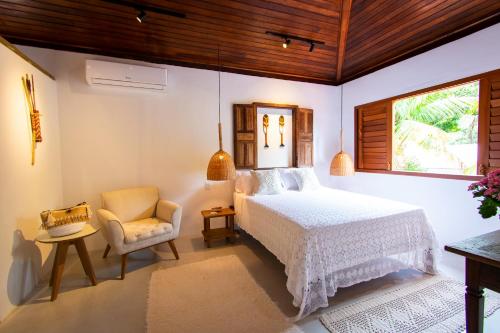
column 245, row 135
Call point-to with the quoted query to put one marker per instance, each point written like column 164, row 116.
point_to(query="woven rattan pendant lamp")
column 341, row 163
column 221, row 165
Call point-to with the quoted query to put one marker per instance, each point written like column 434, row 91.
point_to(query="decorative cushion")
column 288, row 180
column 143, row 229
column 306, row 179
column 244, row 182
column 267, row 182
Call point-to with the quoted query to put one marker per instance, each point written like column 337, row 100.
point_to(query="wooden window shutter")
column 303, row 147
column 489, row 124
column 374, row 136
column 245, row 136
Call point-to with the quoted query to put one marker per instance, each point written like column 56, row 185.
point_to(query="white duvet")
column 330, row 238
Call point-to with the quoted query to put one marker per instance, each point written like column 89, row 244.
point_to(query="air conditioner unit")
column 104, row 73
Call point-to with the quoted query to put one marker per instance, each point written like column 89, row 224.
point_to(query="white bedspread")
column 330, row 238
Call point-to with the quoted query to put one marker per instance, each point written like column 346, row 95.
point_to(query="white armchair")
column 134, row 219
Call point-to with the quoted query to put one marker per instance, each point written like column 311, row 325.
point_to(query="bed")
column 330, row 238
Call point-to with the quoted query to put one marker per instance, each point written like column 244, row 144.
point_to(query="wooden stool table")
column 62, row 243
column 482, row 270
column 218, row 233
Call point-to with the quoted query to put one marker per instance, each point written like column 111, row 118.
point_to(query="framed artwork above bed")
column 270, row 135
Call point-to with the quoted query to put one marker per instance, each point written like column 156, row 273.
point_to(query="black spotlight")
column 141, row 16
column 311, row 48
column 286, row 43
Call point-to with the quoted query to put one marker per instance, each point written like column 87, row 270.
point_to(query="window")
column 436, row 132
column 449, row 131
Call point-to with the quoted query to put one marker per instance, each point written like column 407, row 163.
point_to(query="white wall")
column 114, row 138
column 450, row 208
column 25, row 190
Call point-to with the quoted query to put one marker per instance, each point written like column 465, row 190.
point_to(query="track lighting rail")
column 143, row 8
column 287, row 39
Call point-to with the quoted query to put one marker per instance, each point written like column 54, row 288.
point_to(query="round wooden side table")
column 62, row 243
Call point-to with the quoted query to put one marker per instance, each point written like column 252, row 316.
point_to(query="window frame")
column 483, row 127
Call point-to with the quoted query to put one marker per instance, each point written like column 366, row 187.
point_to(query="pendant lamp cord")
column 219, row 125
column 218, row 60
column 341, row 112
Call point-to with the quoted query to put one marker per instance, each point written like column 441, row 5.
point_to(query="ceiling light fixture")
column 286, row 43
column 311, row 48
column 141, row 16
column 288, row 39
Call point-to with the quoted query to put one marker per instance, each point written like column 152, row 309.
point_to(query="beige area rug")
column 434, row 305
column 217, row 295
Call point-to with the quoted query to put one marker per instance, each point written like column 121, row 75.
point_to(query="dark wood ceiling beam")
column 381, row 31
column 175, row 35
column 421, row 48
column 344, row 27
column 184, row 53
column 188, row 52
column 406, row 31
column 386, row 14
column 280, row 8
column 327, row 8
column 236, row 12
column 201, row 12
column 206, row 24
column 160, row 60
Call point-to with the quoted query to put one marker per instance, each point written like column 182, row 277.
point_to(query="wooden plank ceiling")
column 360, row 36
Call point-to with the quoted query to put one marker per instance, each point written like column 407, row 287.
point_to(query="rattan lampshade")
column 221, row 165
column 342, row 165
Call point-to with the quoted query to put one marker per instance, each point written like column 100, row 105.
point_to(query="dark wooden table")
column 218, row 233
column 482, row 270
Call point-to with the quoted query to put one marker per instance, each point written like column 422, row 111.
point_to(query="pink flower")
column 490, row 191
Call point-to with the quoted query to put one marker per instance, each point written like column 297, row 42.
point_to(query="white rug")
column 434, row 305
column 217, row 295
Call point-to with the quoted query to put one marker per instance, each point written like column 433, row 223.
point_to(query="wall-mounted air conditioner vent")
column 104, row 73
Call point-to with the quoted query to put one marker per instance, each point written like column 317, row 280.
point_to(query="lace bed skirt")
column 320, row 260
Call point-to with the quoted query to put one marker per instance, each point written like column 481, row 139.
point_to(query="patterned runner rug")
column 434, row 305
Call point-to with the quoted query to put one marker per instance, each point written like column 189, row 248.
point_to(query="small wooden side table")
column 482, row 270
column 218, row 233
column 62, row 244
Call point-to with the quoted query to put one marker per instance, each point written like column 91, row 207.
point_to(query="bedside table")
column 218, row 233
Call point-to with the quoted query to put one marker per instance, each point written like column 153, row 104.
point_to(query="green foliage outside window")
column 437, row 132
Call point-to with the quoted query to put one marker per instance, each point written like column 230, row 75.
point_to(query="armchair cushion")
column 146, row 228
column 132, row 204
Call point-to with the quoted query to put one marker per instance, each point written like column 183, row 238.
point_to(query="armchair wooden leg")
column 108, row 247
column 124, row 264
column 173, row 248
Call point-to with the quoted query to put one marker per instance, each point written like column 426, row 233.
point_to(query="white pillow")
column 267, row 182
column 244, row 182
column 288, row 180
column 306, row 179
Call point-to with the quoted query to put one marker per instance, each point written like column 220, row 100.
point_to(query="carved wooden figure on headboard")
column 282, row 129
column 265, row 122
